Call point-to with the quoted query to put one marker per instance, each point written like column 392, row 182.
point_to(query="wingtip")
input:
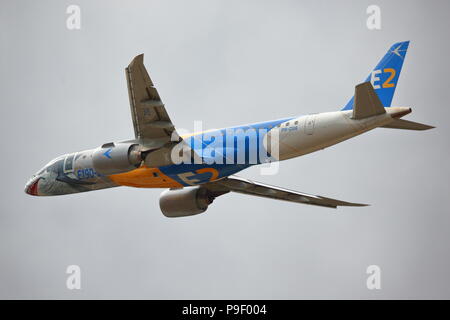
column 361, row 205
column 137, row 59
column 350, row 204
column 425, row 127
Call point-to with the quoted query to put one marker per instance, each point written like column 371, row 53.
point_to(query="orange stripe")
column 144, row 177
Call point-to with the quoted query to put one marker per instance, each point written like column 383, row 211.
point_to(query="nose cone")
column 32, row 187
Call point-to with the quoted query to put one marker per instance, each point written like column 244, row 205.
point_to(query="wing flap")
column 245, row 186
column 150, row 118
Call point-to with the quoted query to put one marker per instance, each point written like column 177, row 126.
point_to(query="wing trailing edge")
column 245, row 186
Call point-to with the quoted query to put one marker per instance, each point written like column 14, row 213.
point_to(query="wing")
column 150, row 119
column 245, row 186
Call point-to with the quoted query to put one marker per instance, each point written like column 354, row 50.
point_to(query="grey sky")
column 225, row 63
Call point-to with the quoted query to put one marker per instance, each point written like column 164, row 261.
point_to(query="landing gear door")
column 309, row 124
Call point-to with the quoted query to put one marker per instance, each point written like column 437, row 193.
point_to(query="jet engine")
column 185, row 202
column 113, row 158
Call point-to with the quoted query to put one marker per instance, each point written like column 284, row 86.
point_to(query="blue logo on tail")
column 384, row 77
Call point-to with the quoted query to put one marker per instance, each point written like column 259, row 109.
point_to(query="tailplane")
column 408, row 125
column 367, row 103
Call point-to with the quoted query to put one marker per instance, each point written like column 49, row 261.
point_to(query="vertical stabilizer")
column 384, row 77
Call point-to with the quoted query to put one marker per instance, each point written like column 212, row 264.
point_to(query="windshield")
column 48, row 165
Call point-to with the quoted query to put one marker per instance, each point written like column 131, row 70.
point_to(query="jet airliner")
column 210, row 159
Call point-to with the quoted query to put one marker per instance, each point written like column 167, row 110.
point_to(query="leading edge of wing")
column 246, row 186
column 151, row 121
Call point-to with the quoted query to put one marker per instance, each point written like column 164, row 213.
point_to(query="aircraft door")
column 309, row 124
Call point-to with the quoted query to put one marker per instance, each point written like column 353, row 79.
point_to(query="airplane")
column 210, row 159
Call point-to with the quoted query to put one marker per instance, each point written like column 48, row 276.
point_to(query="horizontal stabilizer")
column 408, row 125
column 367, row 103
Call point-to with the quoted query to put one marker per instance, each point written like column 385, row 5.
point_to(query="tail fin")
column 384, row 77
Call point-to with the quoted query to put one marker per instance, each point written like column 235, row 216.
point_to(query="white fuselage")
column 314, row 132
column 85, row 170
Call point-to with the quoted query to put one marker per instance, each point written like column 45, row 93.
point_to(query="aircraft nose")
column 32, row 187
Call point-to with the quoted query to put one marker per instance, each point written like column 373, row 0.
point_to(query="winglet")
column 139, row 59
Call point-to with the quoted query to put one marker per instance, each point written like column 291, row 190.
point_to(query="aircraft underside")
column 199, row 167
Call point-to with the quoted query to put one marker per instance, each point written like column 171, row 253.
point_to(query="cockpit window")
column 68, row 163
column 51, row 166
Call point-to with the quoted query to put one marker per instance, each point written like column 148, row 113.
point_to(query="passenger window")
column 296, row 122
column 287, row 124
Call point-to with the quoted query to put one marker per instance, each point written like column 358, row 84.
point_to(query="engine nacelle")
column 184, row 202
column 116, row 158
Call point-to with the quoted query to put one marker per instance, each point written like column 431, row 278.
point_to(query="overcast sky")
column 225, row 63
